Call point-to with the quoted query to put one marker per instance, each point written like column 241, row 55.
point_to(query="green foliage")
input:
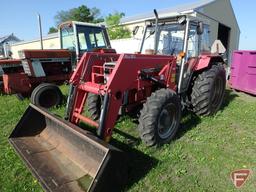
column 95, row 12
column 81, row 13
column 116, row 31
column 92, row 15
column 52, row 30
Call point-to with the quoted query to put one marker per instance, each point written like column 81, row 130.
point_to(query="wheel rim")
column 217, row 92
column 167, row 121
column 48, row 99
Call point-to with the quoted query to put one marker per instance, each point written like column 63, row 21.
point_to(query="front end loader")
column 64, row 157
column 106, row 85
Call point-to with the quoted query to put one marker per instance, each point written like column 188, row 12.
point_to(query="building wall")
column 50, row 43
column 126, row 45
column 140, row 32
column 5, row 45
column 220, row 11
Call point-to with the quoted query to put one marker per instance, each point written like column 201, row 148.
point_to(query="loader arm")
column 124, row 76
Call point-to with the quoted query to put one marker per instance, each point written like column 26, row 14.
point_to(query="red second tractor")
column 179, row 73
column 38, row 72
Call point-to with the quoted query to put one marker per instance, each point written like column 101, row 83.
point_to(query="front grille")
column 26, row 67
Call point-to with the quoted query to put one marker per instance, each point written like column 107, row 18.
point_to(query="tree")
column 81, row 13
column 52, row 30
column 95, row 12
column 115, row 30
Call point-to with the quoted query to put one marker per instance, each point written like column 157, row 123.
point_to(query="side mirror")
column 200, row 28
column 135, row 30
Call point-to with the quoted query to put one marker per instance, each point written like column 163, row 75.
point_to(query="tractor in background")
column 39, row 72
column 174, row 71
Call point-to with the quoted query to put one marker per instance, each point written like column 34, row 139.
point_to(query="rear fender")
column 205, row 61
column 196, row 65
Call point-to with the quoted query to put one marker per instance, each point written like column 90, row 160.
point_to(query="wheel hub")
column 166, row 121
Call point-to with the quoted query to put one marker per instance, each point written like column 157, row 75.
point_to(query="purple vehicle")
column 243, row 71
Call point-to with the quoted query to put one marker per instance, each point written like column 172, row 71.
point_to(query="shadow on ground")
column 190, row 120
column 139, row 164
column 228, row 98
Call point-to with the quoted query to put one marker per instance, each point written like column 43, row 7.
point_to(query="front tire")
column 160, row 118
column 94, row 106
column 208, row 91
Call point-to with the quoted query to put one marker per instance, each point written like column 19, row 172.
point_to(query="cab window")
column 90, row 38
column 68, row 38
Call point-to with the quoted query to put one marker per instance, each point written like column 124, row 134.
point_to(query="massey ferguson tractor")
column 174, row 71
column 38, row 72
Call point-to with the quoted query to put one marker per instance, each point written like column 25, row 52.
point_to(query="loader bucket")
column 64, row 157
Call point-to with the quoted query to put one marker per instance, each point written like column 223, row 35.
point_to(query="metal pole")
column 185, row 48
column 100, row 131
column 40, row 30
column 156, row 31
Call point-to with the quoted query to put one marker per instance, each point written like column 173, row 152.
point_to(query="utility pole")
column 40, row 30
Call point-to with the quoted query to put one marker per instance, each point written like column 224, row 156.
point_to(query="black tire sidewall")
column 203, row 90
column 219, row 75
column 41, row 89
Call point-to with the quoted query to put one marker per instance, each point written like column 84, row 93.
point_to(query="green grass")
column 201, row 158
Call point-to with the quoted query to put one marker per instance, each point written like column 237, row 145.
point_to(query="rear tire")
column 160, row 118
column 46, row 95
column 208, row 91
column 94, row 106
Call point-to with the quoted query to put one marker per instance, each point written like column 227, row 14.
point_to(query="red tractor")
column 114, row 84
column 179, row 73
column 38, row 72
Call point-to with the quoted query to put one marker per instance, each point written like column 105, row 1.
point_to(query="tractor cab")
column 173, row 36
column 183, row 36
column 83, row 37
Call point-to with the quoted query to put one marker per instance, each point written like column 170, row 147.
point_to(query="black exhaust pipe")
column 156, row 30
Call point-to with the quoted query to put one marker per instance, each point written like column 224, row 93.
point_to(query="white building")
column 5, row 43
column 51, row 41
